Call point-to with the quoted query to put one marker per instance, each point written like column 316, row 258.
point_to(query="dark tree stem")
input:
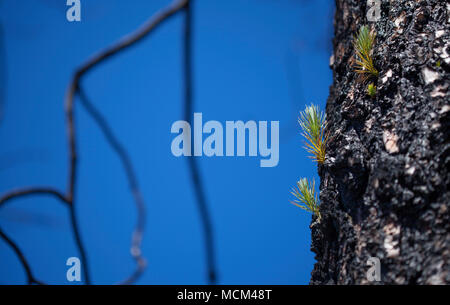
column 120, row 150
column 30, row 278
column 73, row 89
column 195, row 172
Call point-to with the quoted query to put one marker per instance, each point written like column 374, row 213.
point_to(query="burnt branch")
column 74, row 88
column 30, row 278
column 195, row 173
column 135, row 250
column 33, row 191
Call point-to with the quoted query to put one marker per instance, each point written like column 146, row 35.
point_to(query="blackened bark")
column 384, row 185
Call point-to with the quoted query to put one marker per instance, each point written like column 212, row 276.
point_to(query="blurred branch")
column 30, row 278
column 74, row 88
column 195, row 174
column 33, row 191
column 132, row 180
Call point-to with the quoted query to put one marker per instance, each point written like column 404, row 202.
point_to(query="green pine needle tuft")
column 313, row 123
column 363, row 44
column 306, row 195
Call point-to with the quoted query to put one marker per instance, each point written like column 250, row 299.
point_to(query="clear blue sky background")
column 253, row 60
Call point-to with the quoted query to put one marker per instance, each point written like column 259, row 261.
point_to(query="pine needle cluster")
column 306, row 196
column 313, row 124
column 363, row 44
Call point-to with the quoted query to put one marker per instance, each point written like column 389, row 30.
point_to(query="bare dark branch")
column 33, row 191
column 30, row 278
column 74, row 87
column 195, row 174
column 135, row 250
column 123, row 44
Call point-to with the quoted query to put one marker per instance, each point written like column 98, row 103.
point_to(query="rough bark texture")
column 384, row 185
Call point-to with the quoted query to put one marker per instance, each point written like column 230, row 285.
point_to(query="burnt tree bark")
column 384, row 185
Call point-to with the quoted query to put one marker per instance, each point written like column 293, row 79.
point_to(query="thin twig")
column 33, row 191
column 195, row 174
column 123, row 44
column 135, row 250
column 30, row 278
column 25, row 193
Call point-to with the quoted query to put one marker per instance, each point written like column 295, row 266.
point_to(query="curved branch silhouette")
column 195, row 173
column 74, row 88
column 30, row 277
column 135, row 250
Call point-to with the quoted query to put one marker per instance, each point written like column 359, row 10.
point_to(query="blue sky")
column 253, row 60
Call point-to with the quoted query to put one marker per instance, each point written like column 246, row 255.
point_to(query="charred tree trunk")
column 384, row 185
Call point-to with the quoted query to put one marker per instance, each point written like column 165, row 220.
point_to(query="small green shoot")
column 438, row 64
column 306, row 195
column 372, row 90
column 313, row 123
column 363, row 44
